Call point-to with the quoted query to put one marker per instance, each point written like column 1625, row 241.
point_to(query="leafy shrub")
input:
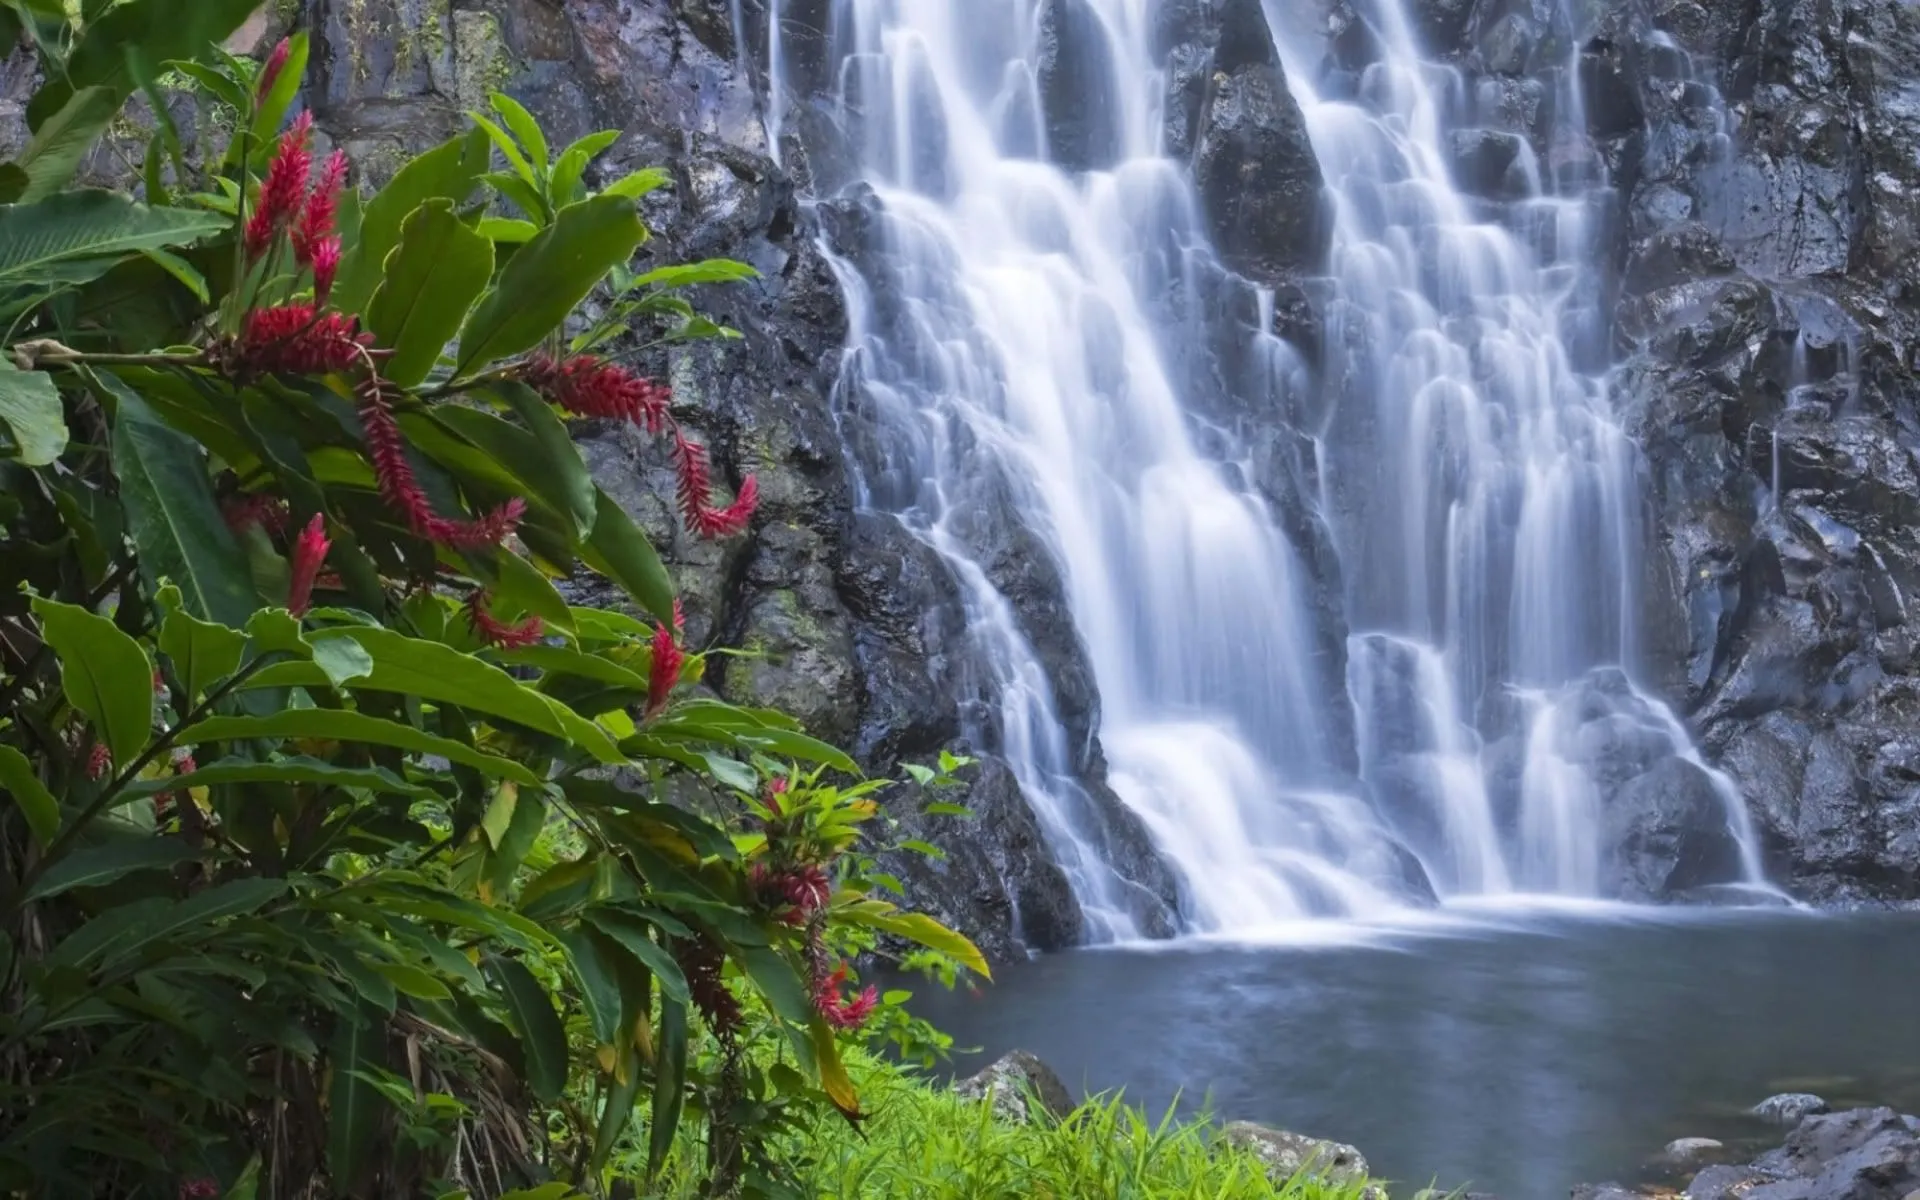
column 340, row 853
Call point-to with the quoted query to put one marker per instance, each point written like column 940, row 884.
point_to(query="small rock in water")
column 1690, row 1154
column 1020, row 1087
column 1789, row 1108
column 1286, row 1154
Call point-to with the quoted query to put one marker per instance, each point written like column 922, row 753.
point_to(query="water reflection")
column 1523, row 1054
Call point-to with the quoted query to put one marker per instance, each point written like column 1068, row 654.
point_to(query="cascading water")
column 1009, row 360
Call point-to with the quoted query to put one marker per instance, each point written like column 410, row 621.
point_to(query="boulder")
column 1076, row 79
column 1287, row 1154
column 1667, row 829
column 1788, row 1109
column 1020, row 1088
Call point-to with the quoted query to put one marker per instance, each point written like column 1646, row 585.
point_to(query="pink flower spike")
column 315, row 224
column 270, row 72
column 284, row 194
column 326, row 264
column 668, row 659
column 495, row 632
column 309, row 551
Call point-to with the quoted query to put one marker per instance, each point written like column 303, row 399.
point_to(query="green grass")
column 925, row 1143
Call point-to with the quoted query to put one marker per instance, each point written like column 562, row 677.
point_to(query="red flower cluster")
column 401, row 489
column 298, row 339
column 795, row 894
column 702, row 962
column 284, row 193
column 98, row 760
column 696, row 493
column 270, row 71
column 309, row 551
column 838, row 1010
column 668, row 660
column 198, row 1188
column 590, row 386
column 495, row 632
column 247, row 509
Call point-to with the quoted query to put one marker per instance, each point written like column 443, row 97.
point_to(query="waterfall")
column 1014, row 380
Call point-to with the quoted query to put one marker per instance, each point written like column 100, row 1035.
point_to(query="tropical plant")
column 340, row 853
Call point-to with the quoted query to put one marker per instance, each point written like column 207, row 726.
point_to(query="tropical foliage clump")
column 341, row 854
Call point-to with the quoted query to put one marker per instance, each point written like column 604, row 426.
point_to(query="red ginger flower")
column 839, row 1011
column 299, row 339
column 795, row 893
column 590, row 386
column 200, row 1188
column 495, row 632
column 695, row 493
column 326, row 264
column 702, row 962
column 309, row 551
column 284, row 193
column 98, row 760
column 315, row 223
column 400, row 488
column 668, row 659
column 270, row 72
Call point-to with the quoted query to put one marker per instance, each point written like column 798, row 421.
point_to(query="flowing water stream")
column 1015, row 350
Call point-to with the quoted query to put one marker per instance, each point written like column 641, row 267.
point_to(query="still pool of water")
column 1521, row 1050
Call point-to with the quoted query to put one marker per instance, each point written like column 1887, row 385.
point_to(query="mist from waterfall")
column 1011, row 363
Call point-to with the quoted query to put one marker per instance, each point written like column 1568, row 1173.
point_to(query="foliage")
column 340, row 853
column 927, row 1142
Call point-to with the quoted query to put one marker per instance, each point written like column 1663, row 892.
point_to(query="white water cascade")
column 1012, row 375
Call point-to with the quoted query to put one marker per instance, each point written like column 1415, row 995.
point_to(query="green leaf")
column 712, row 270
column 499, row 814
column 542, row 1036
column 776, row 980
column 509, row 230
column 121, row 932
column 201, row 652
column 274, row 105
column 353, row 1105
column 593, row 965
column 104, row 673
column 834, row 1079
column 669, row 1084
column 182, row 270
column 617, row 549
column 540, row 458
column 161, row 28
column 173, row 517
column 59, row 144
column 448, row 171
column 524, row 196
column 297, row 768
column 77, row 236
column 520, row 582
column 432, row 278
column 100, row 865
column 31, row 411
column 509, row 149
column 639, row 183
column 35, row 802
column 524, row 127
column 342, row 660
column 329, row 724
column 548, row 278
column 412, row 981
column 918, row 928
column 635, row 936
column 560, row 660
column 529, row 817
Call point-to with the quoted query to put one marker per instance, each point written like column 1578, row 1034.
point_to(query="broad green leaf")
column 560, row 660
column 520, row 582
column 541, row 460
column 30, row 410
column 548, row 278
column 412, row 981
column 560, row 889
column 329, row 724
column 354, row 1106
column 524, row 127
column 296, row 768
column 618, row 1113
column 202, row 653
column 635, row 936
column 509, row 149
column 53, row 155
column 778, row 982
column 77, row 236
column 529, row 817
column 593, row 965
column 448, row 171
column 617, row 549
column 669, row 1083
column 499, row 814
column 438, row 672
column 432, row 278
column 173, row 518
column 97, row 866
column 182, row 270
column 274, row 105
column 123, row 931
column 509, row 230
column 339, row 660
column 918, row 928
column 712, row 270
column 104, row 674
column 542, row 1036
column 524, row 195
column 639, row 183
column 161, row 29
column 35, row 802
